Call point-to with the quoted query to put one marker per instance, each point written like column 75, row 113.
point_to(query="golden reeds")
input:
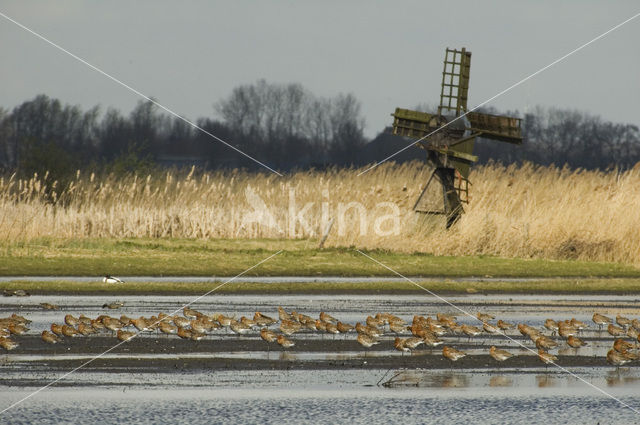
column 524, row 211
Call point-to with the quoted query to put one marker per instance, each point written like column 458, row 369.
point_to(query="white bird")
column 111, row 279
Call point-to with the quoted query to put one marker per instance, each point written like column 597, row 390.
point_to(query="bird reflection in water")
column 545, row 381
column 500, row 381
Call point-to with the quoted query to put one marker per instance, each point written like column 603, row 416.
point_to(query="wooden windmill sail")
column 450, row 147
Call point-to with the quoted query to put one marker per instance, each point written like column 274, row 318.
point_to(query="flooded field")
column 324, row 378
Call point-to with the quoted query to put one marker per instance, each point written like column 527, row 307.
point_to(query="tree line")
column 568, row 137
column 283, row 125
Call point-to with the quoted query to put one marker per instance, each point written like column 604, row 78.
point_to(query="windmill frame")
column 449, row 136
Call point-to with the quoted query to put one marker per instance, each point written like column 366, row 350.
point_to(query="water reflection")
column 620, row 377
column 429, row 379
column 454, row 381
column 546, row 380
column 287, row 356
column 628, row 378
column 500, row 381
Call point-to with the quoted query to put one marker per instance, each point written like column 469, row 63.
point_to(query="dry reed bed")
column 522, row 211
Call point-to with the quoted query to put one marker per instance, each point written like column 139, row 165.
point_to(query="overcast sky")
column 190, row 54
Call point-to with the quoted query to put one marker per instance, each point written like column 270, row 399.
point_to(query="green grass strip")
column 179, row 257
column 617, row 286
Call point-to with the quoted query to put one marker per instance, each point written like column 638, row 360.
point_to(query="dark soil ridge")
column 225, row 353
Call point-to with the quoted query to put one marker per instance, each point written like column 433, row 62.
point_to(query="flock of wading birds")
column 195, row 325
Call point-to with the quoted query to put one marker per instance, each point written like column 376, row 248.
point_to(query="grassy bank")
column 555, row 286
column 194, row 257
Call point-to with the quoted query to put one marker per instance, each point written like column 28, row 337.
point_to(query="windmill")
column 448, row 137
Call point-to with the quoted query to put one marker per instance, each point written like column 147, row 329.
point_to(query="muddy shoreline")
column 517, row 364
column 149, row 354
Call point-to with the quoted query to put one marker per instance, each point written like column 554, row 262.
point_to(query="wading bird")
column 70, row 320
column 431, row 340
column 7, row 343
column 344, row 327
column 398, row 344
column 551, row 325
column 544, row 342
column 527, row 330
column 190, row 313
column 50, row 338
column 621, row 345
column 289, row 327
column 111, row 323
column 268, row 336
column 471, row 331
column 499, row 355
column 413, row 342
column 69, row 331
column 320, row 325
column 17, row 328
column 489, row 328
column 617, row 359
column 141, row 324
column 125, row 335
column 600, row 320
column 183, row 322
column 239, row 327
column 283, row 314
column 446, row 317
column 505, row 325
column 56, row 329
column 168, row 328
column 263, row 320
column 622, row 321
column 183, row 333
column 615, row 330
column 199, row 327
column 284, row 342
column 575, row 342
column 367, row 341
column 111, row 279
column 372, row 321
column 545, row 357
column 17, row 318
column 327, row 318
column 566, row 330
column 452, row 354
column 484, row 317
column 372, row 331
column 578, row 324
column 86, row 330
column 248, row 322
column 332, row 328
column 397, row 327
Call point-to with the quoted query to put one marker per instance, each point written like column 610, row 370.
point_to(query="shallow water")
column 537, row 395
column 320, row 406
